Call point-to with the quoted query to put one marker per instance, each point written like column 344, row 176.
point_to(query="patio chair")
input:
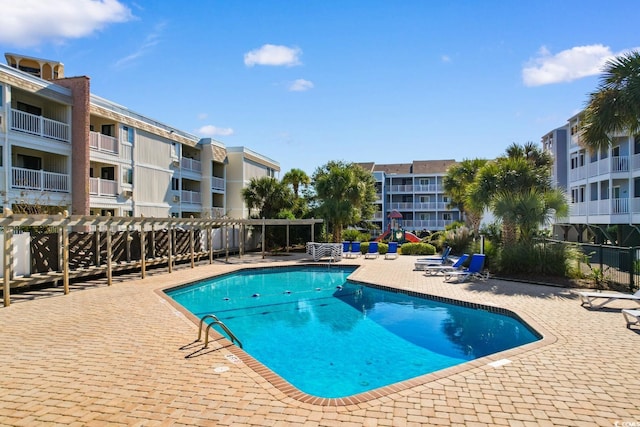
column 392, row 253
column 422, row 263
column 588, row 298
column 631, row 316
column 432, row 270
column 474, row 271
column 372, row 252
column 346, row 249
column 355, row 250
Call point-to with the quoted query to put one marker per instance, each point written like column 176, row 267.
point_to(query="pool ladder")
column 218, row 322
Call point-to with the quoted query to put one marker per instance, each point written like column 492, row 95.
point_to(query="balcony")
column 401, row 188
column 192, row 197
column 29, row 179
column 103, row 187
column 428, row 224
column 104, row 143
column 601, row 207
column 40, row 126
column 217, row 184
column 431, row 188
column 190, row 164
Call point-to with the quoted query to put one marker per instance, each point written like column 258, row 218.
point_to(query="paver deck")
column 117, row 356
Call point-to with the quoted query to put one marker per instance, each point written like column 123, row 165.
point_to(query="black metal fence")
column 611, row 264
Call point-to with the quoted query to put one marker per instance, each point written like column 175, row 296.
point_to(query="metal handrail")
column 216, row 321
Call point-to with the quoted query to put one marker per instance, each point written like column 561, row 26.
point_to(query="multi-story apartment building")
column 414, row 190
column 602, row 187
column 64, row 148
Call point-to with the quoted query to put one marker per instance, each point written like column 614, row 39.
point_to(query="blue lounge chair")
column 372, row 252
column 474, row 271
column 436, row 269
column 346, row 248
column 422, row 263
column 393, row 251
column 355, row 250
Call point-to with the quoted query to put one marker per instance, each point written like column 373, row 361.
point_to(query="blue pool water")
column 333, row 338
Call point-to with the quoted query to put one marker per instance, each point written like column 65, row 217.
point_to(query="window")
column 636, row 187
column 615, row 151
column 107, row 130
column 445, row 199
column 127, row 176
column 108, row 173
column 175, row 184
column 447, row 216
column 128, row 133
column 31, row 109
column 29, row 162
column 424, row 181
column 1, row 157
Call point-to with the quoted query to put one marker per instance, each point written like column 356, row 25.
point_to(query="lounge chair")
column 393, row 251
column 372, row 252
column 346, row 248
column 588, row 298
column 631, row 316
column 422, row 263
column 355, row 250
column 431, row 270
column 474, row 271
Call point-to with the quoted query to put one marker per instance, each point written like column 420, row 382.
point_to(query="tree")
column 456, row 183
column 517, row 188
column 345, row 193
column 268, row 196
column 296, row 178
column 615, row 106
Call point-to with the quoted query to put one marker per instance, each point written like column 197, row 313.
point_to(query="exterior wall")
column 80, row 89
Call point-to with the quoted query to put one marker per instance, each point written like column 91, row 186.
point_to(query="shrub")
column 535, row 258
column 458, row 238
column 383, row 248
column 418, row 249
column 351, row 235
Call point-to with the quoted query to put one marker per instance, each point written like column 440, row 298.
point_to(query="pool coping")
column 546, row 338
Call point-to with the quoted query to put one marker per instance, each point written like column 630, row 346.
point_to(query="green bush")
column 535, row 258
column 364, row 247
column 418, row 249
column 351, row 235
column 459, row 239
column 383, row 248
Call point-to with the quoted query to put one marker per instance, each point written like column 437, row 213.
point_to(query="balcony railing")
column 601, row 207
column 190, row 197
column 411, row 206
column 106, row 143
column 217, row 184
column 431, row 188
column 38, row 125
column 429, row 224
column 191, row 164
column 103, row 187
column 30, row 179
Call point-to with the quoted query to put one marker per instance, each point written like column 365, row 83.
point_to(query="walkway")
column 115, row 355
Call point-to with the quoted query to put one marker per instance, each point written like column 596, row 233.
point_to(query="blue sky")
column 306, row 82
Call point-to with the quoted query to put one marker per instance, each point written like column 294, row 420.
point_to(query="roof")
column 417, row 167
column 432, row 166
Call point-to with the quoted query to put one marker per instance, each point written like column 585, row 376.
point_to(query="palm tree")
column 296, row 177
column 268, row 195
column 345, row 193
column 456, row 183
column 615, row 106
column 509, row 186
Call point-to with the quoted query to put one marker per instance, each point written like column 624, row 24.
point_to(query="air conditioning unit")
column 127, row 193
column 176, row 198
column 176, row 163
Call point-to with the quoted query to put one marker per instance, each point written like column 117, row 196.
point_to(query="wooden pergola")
column 64, row 223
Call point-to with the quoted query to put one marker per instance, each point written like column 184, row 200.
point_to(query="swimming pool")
column 330, row 337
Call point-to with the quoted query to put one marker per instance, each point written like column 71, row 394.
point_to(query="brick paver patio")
column 116, row 356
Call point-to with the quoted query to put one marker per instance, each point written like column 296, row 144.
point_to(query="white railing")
column 377, row 216
column 401, row 206
column 191, row 164
column 620, row 164
column 103, row 187
column 100, row 142
column 217, row 184
column 431, row 188
column 601, row 207
column 190, row 197
column 217, row 212
column 430, row 206
column 38, row 125
column 30, row 179
column 429, row 224
column 577, row 173
column 401, row 188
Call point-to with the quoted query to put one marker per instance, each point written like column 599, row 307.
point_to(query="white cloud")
column 202, row 116
column 32, row 22
column 210, row 130
column 300, row 85
column 270, row 54
column 567, row 65
column 445, row 58
column 150, row 41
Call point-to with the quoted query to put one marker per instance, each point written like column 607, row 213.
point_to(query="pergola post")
column 109, row 254
column 7, row 261
column 143, row 252
column 264, row 228
column 65, row 257
column 170, row 248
